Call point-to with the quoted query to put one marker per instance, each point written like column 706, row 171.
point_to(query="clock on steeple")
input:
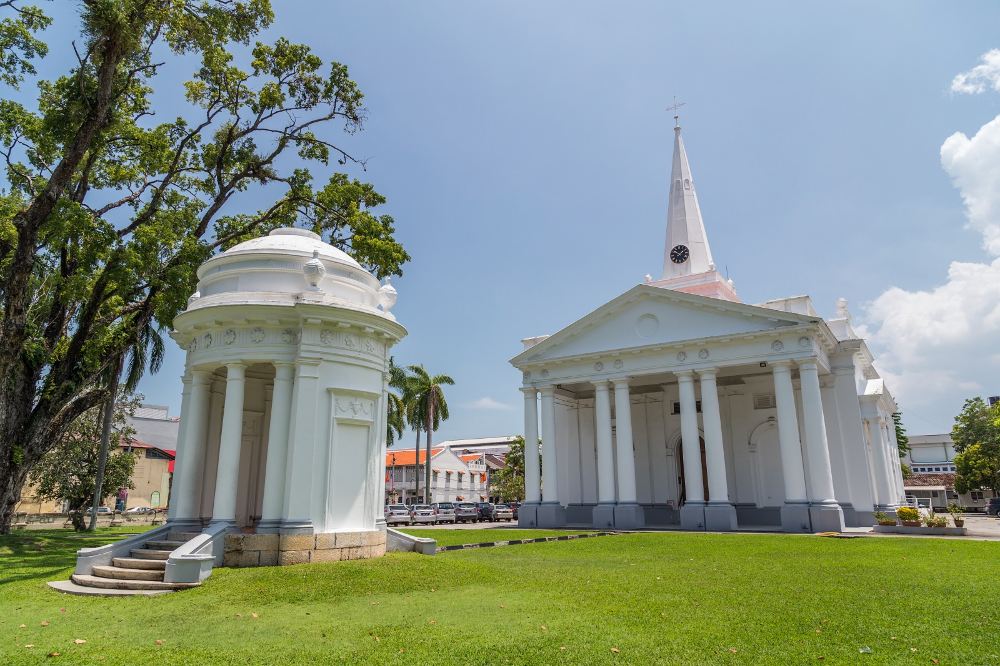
column 679, row 254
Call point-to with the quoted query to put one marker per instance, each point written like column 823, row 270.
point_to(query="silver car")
column 422, row 513
column 397, row 513
column 445, row 512
column 502, row 512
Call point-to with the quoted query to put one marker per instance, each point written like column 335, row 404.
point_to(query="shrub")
column 882, row 518
column 954, row 510
column 907, row 513
column 935, row 521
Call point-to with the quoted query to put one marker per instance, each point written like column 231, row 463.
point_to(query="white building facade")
column 676, row 404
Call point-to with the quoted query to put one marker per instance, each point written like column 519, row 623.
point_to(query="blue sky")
column 524, row 150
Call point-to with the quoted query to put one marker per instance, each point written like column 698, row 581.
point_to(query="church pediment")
column 648, row 316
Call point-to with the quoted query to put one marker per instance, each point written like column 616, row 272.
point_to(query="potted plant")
column 882, row 518
column 956, row 514
column 932, row 520
column 908, row 516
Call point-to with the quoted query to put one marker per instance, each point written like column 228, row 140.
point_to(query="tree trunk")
column 430, row 421
column 416, row 468
column 102, row 457
column 12, row 480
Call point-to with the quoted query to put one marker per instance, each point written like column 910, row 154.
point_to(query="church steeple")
column 687, row 258
column 685, row 228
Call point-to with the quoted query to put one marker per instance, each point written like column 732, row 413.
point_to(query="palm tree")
column 396, row 404
column 430, row 406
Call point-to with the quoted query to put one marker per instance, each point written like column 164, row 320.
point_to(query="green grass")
column 675, row 598
column 446, row 537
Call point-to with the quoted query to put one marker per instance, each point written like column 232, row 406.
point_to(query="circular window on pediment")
column 647, row 325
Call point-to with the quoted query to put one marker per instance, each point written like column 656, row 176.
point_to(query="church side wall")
column 656, row 440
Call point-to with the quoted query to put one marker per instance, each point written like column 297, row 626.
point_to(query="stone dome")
column 286, row 267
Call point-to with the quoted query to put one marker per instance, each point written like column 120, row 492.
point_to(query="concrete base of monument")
column 263, row 550
column 720, row 517
column 551, row 514
column 826, row 517
column 527, row 515
column 693, row 516
column 629, row 516
column 795, row 517
column 604, row 516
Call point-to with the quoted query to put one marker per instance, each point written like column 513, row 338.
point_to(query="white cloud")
column 982, row 76
column 939, row 346
column 487, row 402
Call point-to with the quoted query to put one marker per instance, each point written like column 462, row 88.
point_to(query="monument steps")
column 142, row 573
column 151, row 553
column 128, row 574
column 166, row 544
column 118, row 584
column 137, row 563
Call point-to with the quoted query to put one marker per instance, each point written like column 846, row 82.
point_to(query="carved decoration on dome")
column 207, row 339
column 682, row 356
column 288, row 336
column 598, row 366
column 257, row 335
column 326, row 336
column 350, row 341
column 371, row 346
column 526, row 375
column 355, row 407
column 777, row 345
column 229, row 337
column 703, row 354
column 618, row 364
column 193, row 345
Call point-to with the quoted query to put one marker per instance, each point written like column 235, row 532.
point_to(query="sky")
column 844, row 149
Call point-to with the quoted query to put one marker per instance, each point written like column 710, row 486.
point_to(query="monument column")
column 824, row 511
column 185, row 500
column 795, row 510
column 720, row 515
column 884, row 493
column 604, row 512
column 550, row 512
column 527, row 516
column 693, row 509
column 228, row 474
column 277, row 448
column 628, row 512
column 296, row 512
column 181, row 434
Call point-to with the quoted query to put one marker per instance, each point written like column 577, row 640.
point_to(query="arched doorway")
column 680, row 471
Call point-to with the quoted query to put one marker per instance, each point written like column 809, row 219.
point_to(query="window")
column 976, row 495
column 677, row 407
column 764, row 401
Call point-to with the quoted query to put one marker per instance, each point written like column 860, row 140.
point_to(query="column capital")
column 807, row 363
column 529, row 391
column 236, row 367
column 620, row 381
column 784, row 365
column 600, row 384
column 684, row 375
column 201, row 377
column 708, row 373
column 284, row 371
column 549, row 390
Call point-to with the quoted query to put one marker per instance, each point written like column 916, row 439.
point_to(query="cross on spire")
column 675, row 107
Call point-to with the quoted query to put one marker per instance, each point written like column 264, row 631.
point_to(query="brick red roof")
column 938, row 479
column 405, row 457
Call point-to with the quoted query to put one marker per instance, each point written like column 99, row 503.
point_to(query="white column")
column 605, row 454
column 897, row 463
column 227, row 476
column 883, row 474
column 820, row 474
column 852, row 433
column 693, row 484
column 532, row 487
column 296, row 512
column 550, row 490
column 625, row 450
column 788, row 433
column 181, row 435
column 277, row 447
column 715, row 457
column 186, row 494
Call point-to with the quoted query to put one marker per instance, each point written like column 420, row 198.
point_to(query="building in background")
column 461, row 471
column 932, row 460
column 154, row 425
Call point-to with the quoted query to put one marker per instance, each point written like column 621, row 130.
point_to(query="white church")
column 676, row 404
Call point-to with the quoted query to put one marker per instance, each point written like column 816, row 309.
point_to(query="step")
column 69, row 587
column 150, row 554
column 136, row 563
column 115, row 584
column 182, row 536
column 165, row 544
column 127, row 574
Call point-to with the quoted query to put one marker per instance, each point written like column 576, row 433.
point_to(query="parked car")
column 397, row 513
column 422, row 513
column 104, row 511
column 514, row 506
column 445, row 512
column 485, row 511
column 466, row 512
column 140, row 510
column 992, row 507
column 502, row 512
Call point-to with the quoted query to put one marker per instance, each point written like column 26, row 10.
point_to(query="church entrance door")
column 680, row 471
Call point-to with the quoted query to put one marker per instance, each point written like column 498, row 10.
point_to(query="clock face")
column 679, row 254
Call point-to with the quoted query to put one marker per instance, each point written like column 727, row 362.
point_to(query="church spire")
column 687, row 249
column 687, row 259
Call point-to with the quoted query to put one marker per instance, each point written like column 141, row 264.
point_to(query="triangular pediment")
column 650, row 316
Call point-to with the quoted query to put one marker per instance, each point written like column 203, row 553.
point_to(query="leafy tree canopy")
column 976, row 435
column 508, row 481
column 107, row 209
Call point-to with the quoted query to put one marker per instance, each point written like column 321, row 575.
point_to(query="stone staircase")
column 142, row 572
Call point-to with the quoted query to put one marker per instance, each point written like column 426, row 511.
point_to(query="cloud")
column 979, row 78
column 937, row 347
column 487, row 402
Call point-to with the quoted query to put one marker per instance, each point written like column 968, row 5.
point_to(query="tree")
column 106, row 213
column 430, row 408
column 68, row 472
column 509, row 479
column 395, row 420
column 976, row 437
column 902, row 441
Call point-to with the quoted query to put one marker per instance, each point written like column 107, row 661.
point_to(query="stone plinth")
column 263, row 550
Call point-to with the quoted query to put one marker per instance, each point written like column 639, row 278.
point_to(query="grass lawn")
column 676, row 598
column 445, row 537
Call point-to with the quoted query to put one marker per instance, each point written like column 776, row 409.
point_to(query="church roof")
column 684, row 223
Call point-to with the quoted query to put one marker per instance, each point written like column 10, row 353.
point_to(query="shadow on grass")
column 40, row 554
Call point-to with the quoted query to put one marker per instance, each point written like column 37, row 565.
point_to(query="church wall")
column 741, row 421
column 588, row 451
column 671, row 472
column 729, row 443
column 657, row 470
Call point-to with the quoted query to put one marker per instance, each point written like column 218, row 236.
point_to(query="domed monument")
column 280, row 456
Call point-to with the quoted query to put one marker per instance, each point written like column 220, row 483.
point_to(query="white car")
column 423, row 513
column 397, row 513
